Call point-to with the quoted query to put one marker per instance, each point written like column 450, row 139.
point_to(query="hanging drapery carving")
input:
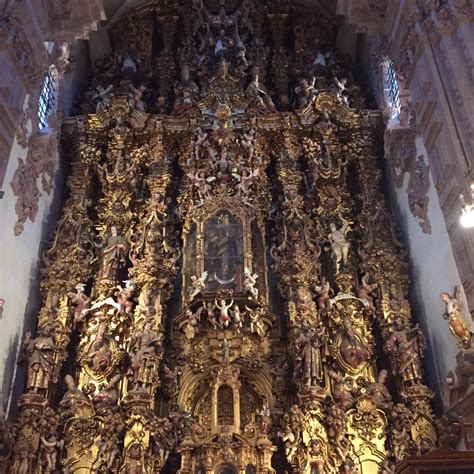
column 223, row 277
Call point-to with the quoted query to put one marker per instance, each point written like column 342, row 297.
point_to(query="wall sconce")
column 467, row 213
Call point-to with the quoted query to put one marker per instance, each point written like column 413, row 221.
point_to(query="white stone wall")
column 20, row 255
column 434, row 270
column 18, row 268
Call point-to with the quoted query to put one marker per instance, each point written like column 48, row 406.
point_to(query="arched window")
column 391, row 90
column 47, row 97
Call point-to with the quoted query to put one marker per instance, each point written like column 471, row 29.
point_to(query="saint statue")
column 72, row 399
column 404, row 346
column 39, row 353
column 308, row 363
column 379, row 393
column 99, row 354
column 339, row 244
column 144, row 346
column 113, row 255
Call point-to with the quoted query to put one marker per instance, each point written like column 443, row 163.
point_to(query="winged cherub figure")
column 197, row 285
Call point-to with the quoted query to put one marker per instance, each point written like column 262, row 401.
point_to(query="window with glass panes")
column 46, row 98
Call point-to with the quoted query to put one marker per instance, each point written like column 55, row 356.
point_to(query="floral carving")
column 400, row 150
column 418, row 187
column 40, row 163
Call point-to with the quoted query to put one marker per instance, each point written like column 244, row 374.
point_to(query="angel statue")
column 50, row 444
column 291, row 442
column 136, row 98
column 245, row 180
column 339, row 244
column 200, row 142
column 102, row 96
column 198, row 285
column 237, row 318
column 124, row 295
column 324, row 294
column 224, row 317
column 340, row 90
column 193, row 319
column 250, row 280
column 306, row 92
column 256, row 324
column 258, row 95
column 201, row 182
column 365, row 290
column 80, row 301
column 247, row 142
column 453, row 315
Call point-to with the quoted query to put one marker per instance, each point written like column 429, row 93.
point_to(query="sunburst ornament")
column 223, row 112
column 223, row 135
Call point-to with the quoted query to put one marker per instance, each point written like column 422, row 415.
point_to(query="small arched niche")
column 225, row 405
column 226, row 469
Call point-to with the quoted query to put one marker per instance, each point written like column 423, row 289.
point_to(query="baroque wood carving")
column 223, row 291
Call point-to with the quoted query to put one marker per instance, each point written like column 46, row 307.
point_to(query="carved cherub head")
column 315, row 447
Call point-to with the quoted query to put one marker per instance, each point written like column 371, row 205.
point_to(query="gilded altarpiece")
column 224, row 291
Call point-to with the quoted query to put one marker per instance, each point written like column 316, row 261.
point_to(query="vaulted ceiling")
column 367, row 16
column 114, row 9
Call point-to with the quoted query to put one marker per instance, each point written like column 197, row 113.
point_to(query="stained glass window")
column 46, row 100
column 393, row 88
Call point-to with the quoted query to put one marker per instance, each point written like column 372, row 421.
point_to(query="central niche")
column 223, row 252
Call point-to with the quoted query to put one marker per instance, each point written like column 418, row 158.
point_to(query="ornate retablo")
column 223, row 291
